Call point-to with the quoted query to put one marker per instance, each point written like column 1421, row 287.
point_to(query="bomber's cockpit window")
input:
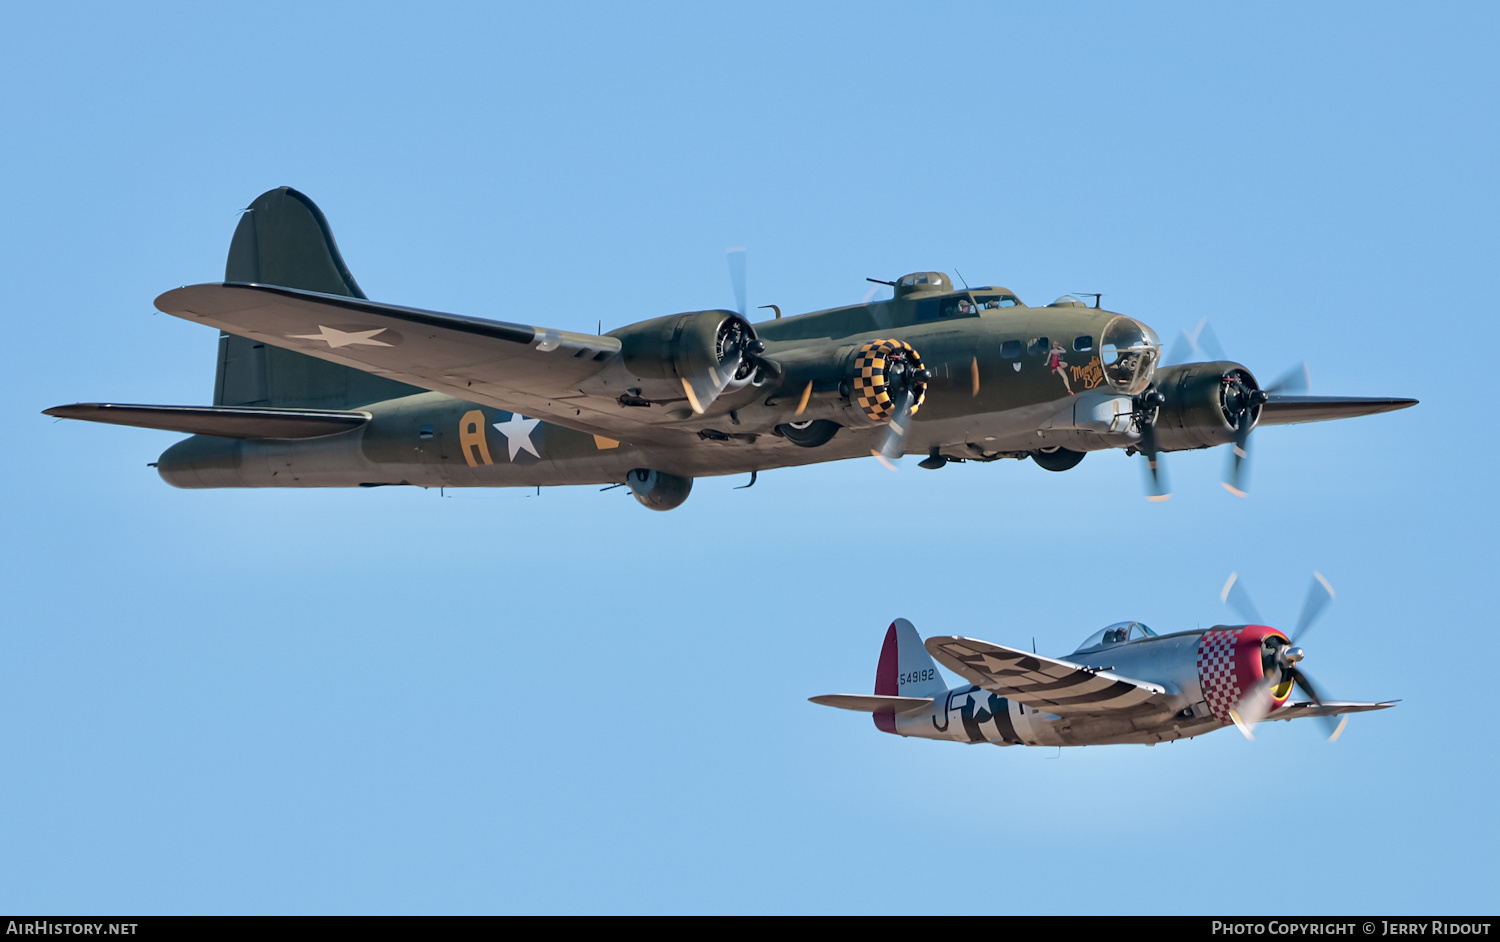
column 1118, row 633
column 993, row 301
column 962, row 306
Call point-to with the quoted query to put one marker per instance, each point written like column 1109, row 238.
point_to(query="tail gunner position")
column 317, row 386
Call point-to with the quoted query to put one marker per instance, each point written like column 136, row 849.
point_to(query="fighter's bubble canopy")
column 1118, row 633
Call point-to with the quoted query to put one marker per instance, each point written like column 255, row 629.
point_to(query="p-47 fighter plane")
column 318, row 386
column 1124, row 684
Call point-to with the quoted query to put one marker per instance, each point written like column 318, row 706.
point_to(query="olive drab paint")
column 318, row 386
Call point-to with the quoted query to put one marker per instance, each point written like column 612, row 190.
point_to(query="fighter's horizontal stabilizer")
column 220, row 421
column 873, row 703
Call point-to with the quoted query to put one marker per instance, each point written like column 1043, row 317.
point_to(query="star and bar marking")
column 336, row 338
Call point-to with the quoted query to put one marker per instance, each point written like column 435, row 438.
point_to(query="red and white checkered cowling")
column 1229, row 667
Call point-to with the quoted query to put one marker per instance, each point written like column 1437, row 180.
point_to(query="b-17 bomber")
column 318, row 386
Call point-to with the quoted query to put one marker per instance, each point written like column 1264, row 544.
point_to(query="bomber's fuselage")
column 1006, row 381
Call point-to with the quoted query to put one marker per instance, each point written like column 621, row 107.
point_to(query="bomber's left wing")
column 515, row 367
column 1044, row 683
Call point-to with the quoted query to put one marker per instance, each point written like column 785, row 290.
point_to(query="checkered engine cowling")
column 1230, row 667
column 871, row 389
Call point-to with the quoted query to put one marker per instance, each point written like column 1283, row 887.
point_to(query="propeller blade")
column 1201, row 340
column 1156, row 472
column 1182, row 348
column 703, row 390
column 1334, row 724
column 1319, row 594
column 891, row 446
column 1234, row 478
column 736, row 258
column 1206, row 341
column 1296, row 381
column 1235, row 595
column 1251, row 709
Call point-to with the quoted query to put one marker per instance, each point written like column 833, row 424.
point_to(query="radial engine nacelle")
column 1203, row 404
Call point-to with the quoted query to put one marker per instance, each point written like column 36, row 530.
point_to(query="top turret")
column 923, row 282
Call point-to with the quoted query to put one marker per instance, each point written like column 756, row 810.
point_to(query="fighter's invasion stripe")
column 1077, row 679
column 1073, row 679
column 1004, row 725
column 1119, row 689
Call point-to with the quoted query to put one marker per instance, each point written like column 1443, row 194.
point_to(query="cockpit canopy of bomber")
column 923, row 282
column 1118, row 633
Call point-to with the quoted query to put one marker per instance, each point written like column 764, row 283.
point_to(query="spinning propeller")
column 893, row 444
column 1240, row 398
column 736, row 351
column 890, row 387
column 1280, row 657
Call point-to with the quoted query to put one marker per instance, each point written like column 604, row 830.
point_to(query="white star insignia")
column 517, row 431
column 336, row 338
column 981, row 701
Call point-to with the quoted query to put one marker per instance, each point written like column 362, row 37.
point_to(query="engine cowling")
column 1200, row 404
column 857, row 387
column 1233, row 663
column 666, row 351
column 883, row 369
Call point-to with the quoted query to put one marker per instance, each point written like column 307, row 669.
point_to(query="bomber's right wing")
column 1282, row 409
column 1043, row 683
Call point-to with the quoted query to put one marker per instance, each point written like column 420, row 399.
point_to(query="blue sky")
column 393, row 701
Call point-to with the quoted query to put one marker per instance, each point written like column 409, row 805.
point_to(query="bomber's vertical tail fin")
column 283, row 239
column 905, row 670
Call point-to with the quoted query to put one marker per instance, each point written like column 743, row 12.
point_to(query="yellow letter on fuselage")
column 471, row 437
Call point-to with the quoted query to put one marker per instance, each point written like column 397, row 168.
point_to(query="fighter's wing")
column 1282, row 409
column 1291, row 711
column 1047, row 684
column 515, row 367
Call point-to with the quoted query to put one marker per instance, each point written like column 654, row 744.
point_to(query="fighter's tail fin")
column 905, row 670
column 283, row 239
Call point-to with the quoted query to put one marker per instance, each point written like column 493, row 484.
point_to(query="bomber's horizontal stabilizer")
column 220, row 421
column 872, row 703
column 1287, row 410
column 1297, row 708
